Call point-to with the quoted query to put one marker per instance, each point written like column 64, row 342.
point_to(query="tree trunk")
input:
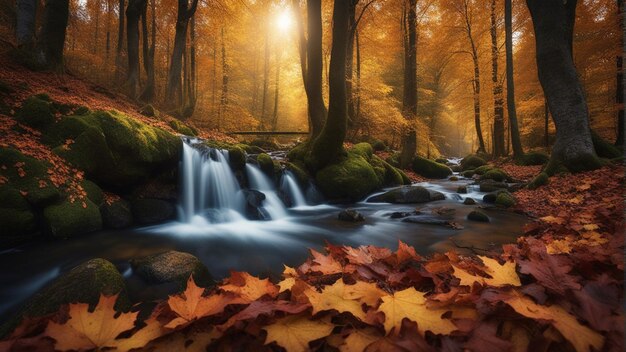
column 52, row 37
column 553, row 21
column 328, row 146
column 25, row 31
column 357, row 91
column 266, row 77
column 120, row 42
column 315, row 67
column 350, row 59
column 148, row 93
column 619, row 92
column 276, row 91
column 180, row 42
column 546, row 127
column 516, row 142
column 193, row 77
column 409, row 100
column 133, row 12
column 498, row 101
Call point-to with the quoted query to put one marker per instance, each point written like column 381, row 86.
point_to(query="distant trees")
column 133, row 13
column 516, row 143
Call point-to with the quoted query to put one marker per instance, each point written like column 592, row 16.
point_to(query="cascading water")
column 290, row 187
column 260, row 182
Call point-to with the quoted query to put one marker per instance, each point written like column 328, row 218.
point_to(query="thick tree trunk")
column 619, row 92
column 516, row 142
column 52, row 36
column 328, row 146
column 350, row 59
column 25, row 31
column 357, row 91
column 315, row 67
column 498, row 101
column 148, row 53
column 193, row 70
column 120, row 42
column 409, row 100
column 553, row 21
column 133, row 12
column 546, row 124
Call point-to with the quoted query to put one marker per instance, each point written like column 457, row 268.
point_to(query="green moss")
column 405, row 179
column 82, row 110
column 28, row 180
column 299, row 152
column 478, row 216
column 237, row 158
column 441, row 160
column 496, row 175
column 603, row 148
column 378, row 145
column 352, row 178
column 585, row 162
column 149, row 111
column 36, row 113
column 67, row 219
column 429, row 168
column 266, row 164
column 541, row 180
column 472, row 162
column 505, row 199
column 83, row 283
column 265, row 144
column 468, row 173
column 363, row 149
column 16, row 216
column 250, row 149
column 182, row 128
column 94, row 192
column 481, row 170
column 394, row 160
column 533, row 158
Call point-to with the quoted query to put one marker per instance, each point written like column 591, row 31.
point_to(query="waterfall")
column 290, row 187
column 260, row 182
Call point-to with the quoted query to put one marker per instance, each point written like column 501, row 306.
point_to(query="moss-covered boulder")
column 113, row 149
column 36, row 112
column 94, row 192
column 540, row 180
column 84, row 283
column 497, row 175
column 66, row 219
column 394, row 160
column 147, row 211
column 481, row 170
column 171, row 266
column 237, row 158
column 469, row 201
column 408, row 195
column 363, row 149
column 491, row 186
column 16, row 216
column 505, row 199
column 478, row 216
column 352, row 178
column 117, row 215
column 265, row 144
column 182, row 128
column 533, row 158
column 468, row 173
column 472, row 162
column 28, row 175
column 266, row 164
column 429, row 168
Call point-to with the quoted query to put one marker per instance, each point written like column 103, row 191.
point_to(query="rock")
column 83, row 283
column 264, row 144
column 469, row 201
column 541, row 180
column 28, row 176
column 66, row 219
column 254, row 205
column 387, row 174
column 481, row 170
column 16, row 216
column 478, row 216
column 36, row 112
column 182, row 128
column 491, row 186
column 453, row 178
column 117, row 215
column 461, row 189
column 505, row 199
column 468, row 173
column 472, row 162
column 490, row 197
column 94, row 192
column 400, row 215
column 266, row 164
column 378, row 145
column 496, row 175
column 237, row 158
column 429, row 168
column 171, row 266
column 350, row 215
column 351, row 178
column 442, row 161
column 363, row 149
column 456, row 168
column 427, row 219
column 152, row 211
column 408, row 195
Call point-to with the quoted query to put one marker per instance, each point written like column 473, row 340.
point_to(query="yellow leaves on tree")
column 501, row 275
column 411, row 304
column 87, row 330
column 295, row 332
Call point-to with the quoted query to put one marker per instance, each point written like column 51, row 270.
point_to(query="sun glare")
column 284, row 20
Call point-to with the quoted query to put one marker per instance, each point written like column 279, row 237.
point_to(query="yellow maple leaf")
column 249, row 287
column 341, row 297
column 87, row 330
column 553, row 220
column 286, row 284
column 325, row 264
column 153, row 330
column 411, row 304
column 501, row 275
column 581, row 337
column 559, row 247
column 294, row 332
column 359, row 339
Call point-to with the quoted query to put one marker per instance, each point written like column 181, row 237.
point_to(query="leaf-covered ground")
column 559, row 288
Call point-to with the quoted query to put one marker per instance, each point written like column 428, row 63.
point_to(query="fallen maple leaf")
column 85, row 330
column 501, row 275
column 344, row 298
column 249, row 287
column 358, row 340
column 296, row 331
column 325, row 264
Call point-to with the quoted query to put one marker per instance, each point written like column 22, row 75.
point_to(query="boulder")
column 540, row 180
column 171, row 266
column 84, row 283
column 237, row 158
column 400, row 215
column 496, row 174
column 468, row 173
column 182, row 128
column 429, row 168
column 472, row 162
column 505, row 199
column 147, row 211
column 481, row 170
column 254, row 204
column 461, row 189
column 28, row 177
column 117, row 215
column 148, row 110
column 456, row 168
column 453, row 178
column 36, row 112
column 469, row 201
column 363, row 149
column 266, row 164
column 350, row 215
column 408, row 195
column 16, row 216
column 427, row 219
column 351, row 178
column 491, row 186
column 477, row 216
column 94, row 192
column 66, row 219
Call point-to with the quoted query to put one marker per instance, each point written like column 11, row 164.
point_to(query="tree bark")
column 120, row 42
column 133, row 12
column 409, row 100
column 352, row 25
column 516, row 143
column 52, row 36
column 328, row 146
column 546, row 124
column 553, row 21
column 148, row 93
column 25, row 31
column 619, row 92
column 498, row 101
column 314, row 69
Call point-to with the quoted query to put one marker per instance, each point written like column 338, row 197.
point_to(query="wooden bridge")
column 267, row 133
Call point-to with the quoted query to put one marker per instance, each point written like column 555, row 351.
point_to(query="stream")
column 214, row 227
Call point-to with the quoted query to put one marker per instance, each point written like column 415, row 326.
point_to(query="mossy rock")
column 378, row 145
column 94, row 192
column 237, row 158
column 250, row 149
column 468, row 173
column 472, row 162
column 266, row 164
column 113, row 149
column 408, row 195
column 430, row 169
column 392, row 176
column 182, row 128
column 81, row 111
column 84, row 283
column 265, row 144
column 299, row 172
column 491, row 186
column 149, row 111
column 441, row 160
column 28, row 177
column 172, row 266
column 505, row 199
column 363, row 149
column 533, row 158
column 117, row 215
column 477, row 216
column 605, row 149
column 16, row 215
column 36, row 112
column 461, row 189
column 497, row 175
column 540, row 180
column 352, row 178
column 67, row 219
column 481, row 170
column 299, row 152
column 394, row 160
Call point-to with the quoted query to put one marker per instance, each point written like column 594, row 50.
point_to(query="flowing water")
column 213, row 226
